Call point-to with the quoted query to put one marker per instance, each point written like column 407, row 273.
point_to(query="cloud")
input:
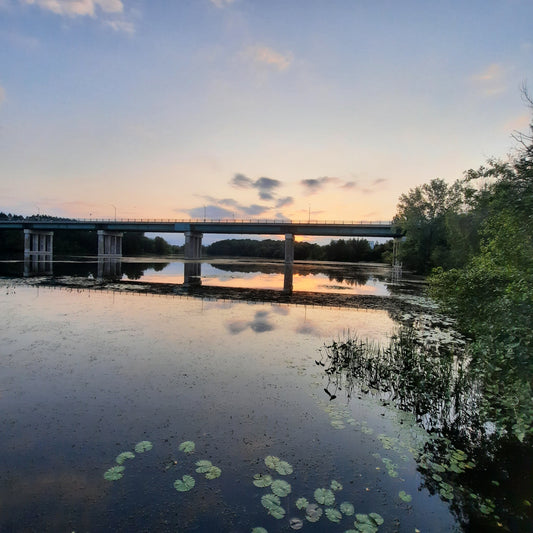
column 241, row 181
column 209, row 212
column 221, row 3
column 314, row 185
column 490, row 80
column 518, row 123
column 282, row 202
column 266, row 186
column 266, row 56
column 349, row 185
column 75, row 8
column 121, row 25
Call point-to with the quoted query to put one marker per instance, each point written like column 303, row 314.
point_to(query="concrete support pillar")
column 110, row 243
column 37, row 242
column 38, row 265
column 193, row 245
column 192, row 275
column 289, row 263
column 396, row 264
column 109, row 267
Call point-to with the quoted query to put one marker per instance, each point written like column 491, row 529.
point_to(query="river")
column 128, row 409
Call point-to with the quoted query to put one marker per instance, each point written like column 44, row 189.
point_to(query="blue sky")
column 243, row 108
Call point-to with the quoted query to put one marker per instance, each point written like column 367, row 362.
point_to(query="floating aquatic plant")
column 280, row 488
column 259, row 530
column 296, row 523
column 347, row 508
column 143, row 446
column 272, row 461
column 272, row 504
column 313, row 512
column 302, row 503
column 114, row 473
column 336, row 486
column 213, row 473
column 404, row 496
column 262, row 480
column 185, row 484
column 283, row 468
column 121, row 457
column 203, row 466
column 378, row 519
column 187, row 447
column 365, row 524
column 324, row 496
column 333, row 514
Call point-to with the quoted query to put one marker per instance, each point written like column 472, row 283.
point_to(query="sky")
column 298, row 109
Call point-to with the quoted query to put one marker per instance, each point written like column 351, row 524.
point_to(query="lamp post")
column 115, row 211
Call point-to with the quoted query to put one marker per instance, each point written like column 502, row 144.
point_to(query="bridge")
column 38, row 232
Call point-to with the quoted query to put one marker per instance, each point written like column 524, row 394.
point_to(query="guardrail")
column 206, row 221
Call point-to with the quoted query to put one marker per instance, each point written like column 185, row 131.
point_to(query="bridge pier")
column 110, row 243
column 193, row 245
column 289, row 263
column 37, row 242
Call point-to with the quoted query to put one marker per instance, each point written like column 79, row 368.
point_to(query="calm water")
column 87, row 375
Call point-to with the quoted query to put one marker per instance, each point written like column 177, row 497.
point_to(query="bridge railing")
column 207, row 221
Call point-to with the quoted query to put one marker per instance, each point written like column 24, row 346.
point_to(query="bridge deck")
column 237, row 227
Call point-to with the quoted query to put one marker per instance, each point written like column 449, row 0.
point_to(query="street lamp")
column 115, row 211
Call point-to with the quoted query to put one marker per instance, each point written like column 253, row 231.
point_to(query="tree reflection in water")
column 471, row 457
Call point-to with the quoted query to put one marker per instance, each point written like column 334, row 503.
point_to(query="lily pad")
column 335, row 485
column 333, row 514
column 143, row 446
column 213, row 473
column 313, row 512
column 280, row 488
column 347, row 508
column 277, row 512
column 114, row 473
column 272, row 461
column 378, row 519
column 262, row 480
column 269, row 501
column 302, row 503
column 283, row 468
column 121, row 457
column 187, row 447
column 185, row 484
column 324, row 496
column 259, row 530
column 296, row 523
column 203, row 466
column 404, row 496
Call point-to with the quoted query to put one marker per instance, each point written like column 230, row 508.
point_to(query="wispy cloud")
column 268, row 57
column 518, row 123
column 266, row 186
column 314, row 185
column 221, row 3
column 283, row 202
column 490, row 80
column 75, row 8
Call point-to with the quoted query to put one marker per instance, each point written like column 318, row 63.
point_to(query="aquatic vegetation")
column 280, row 488
column 302, row 503
column 271, row 503
column 261, row 480
column 283, row 468
column 143, row 446
column 347, row 508
column 313, row 512
column 296, row 523
column 206, row 467
column 187, row 447
column 271, row 461
column 114, row 473
column 367, row 523
column 404, row 496
column 324, row 496
column 333, row 514
column 259, row 530
column 121, row 457
column 185, row 484
column 335, row 485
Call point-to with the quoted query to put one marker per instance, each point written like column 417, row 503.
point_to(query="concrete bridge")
column 38, row 233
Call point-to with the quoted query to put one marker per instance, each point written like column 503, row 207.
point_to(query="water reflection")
column 38, row 265
column 472, row 459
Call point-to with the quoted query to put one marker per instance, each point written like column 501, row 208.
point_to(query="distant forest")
column 79, row 242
